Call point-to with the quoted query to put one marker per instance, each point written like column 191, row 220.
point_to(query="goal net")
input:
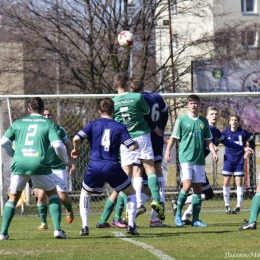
column 74, row 111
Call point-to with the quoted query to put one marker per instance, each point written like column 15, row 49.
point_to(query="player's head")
column 106, row 106
column 193, row 103
column 36, row 104
column 234, row 120
column 212, row 115
column 120, row 80
column 136, row 85
column 46, row 113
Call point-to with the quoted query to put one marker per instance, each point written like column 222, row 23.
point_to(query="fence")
column 74, row 111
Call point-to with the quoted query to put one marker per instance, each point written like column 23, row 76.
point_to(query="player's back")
column 32, row 136
column 105, row 137
column 129, row 110
column 157, row 106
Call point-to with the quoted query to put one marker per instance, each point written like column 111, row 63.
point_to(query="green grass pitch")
column 220, row 240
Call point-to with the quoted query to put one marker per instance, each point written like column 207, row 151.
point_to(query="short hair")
column 36, row 104
column 136, row 84
column 234, row 115
column 212, row 108
column 120, row 79
column 193, row 97
column 106, row 105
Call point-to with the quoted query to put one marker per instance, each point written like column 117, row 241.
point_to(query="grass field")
column 221, row 240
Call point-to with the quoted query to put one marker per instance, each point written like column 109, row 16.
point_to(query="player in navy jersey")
column 105, row 136
column 234, row 161
column 159, row 115
column 217, row 137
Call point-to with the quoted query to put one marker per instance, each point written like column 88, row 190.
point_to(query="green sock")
column 181, row 201
column 196, row 206
column 68, row 206
column 9, row 210
column 154, row 186
column 55, row 210
column 107, row 211
column 255, row 207
column 120, row 204
column 42, row 210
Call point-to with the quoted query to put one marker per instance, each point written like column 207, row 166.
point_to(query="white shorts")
column 193, row 172
column 61, row 179
column 43, row 182
column 144, row 152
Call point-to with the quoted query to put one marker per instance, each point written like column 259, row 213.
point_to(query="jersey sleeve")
column 53, row 133
column 10, row 133
column 83, row 134
column 219, row 137
column 176, row 133
column 126, row 138
column 63, row 135
column 248, row 136
column 143, row 105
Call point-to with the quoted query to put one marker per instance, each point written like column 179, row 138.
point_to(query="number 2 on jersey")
column 32, row 129
column 105, row 140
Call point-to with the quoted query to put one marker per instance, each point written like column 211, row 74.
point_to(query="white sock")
column 226, row 194
column 187, row 213
column 203, row 197
column 84, row 202
column 138, row 185
column 240, row 193
column 161, row 182
column 131, row 209
column 188, row 200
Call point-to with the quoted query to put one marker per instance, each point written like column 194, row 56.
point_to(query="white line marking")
column 158, row 253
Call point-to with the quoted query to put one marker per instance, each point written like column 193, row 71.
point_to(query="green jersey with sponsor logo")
column 192, row 132
column 53, row 158
column 129, row 110
column 32, row 136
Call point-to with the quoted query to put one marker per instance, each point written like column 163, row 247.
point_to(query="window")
column 249, row 38
column 165, row 22
column 249, row 6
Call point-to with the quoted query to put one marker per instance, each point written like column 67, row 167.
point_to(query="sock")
column 226, row 193
column 107, row 211
column 131, row 209
column 144, row 198
column 255, row 208
column 120, row 204
column 196, row 205
column 161, row 182
column 84, row 205
column 9, row 210
column 68, row 206
column 154, row 186
column 187, row 213
column 181, row 201
column 138, row 185
column 240, row 193
column 55, row 210
column 42, row 210
column 188, row 200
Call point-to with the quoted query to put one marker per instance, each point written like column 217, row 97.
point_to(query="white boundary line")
column 158, row 253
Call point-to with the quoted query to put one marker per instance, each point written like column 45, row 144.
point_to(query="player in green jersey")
column 132, row 110
column 61, row 178
column 192, row 130
column 32, row 136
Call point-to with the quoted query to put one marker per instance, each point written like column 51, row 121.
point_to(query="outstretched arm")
column 212, row 149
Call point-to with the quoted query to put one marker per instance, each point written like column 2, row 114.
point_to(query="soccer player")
column 32, row 136
column 192, row 130
column 234, row 161
column 159, row 116
column 105, row 136
column 61, row 178
column 217, row 137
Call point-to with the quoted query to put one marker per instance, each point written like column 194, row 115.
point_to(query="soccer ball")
column 125, row 39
